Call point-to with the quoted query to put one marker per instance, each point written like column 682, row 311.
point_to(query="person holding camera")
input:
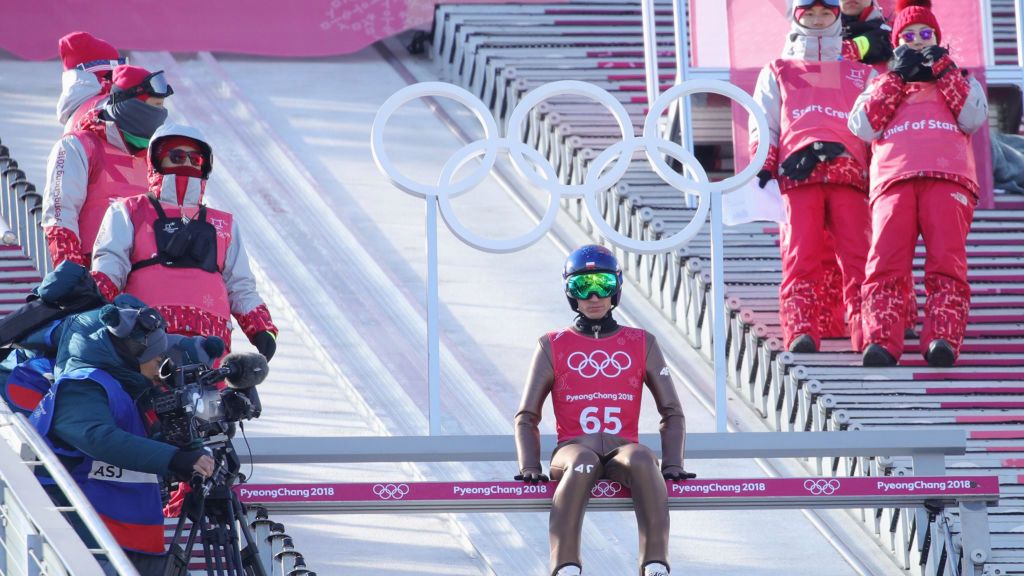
column 821, row 170
column 919, row 117
column 101, row 160
column 179, row 255
column 93, row 419
column 594, row 371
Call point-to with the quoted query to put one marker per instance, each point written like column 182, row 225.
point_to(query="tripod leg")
column 250, row 554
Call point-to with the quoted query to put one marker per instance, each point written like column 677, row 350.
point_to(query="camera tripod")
column 218, row 518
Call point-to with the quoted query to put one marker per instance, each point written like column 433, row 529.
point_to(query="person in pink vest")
column 919, row 118
column 102, row 159
column 821, row 169
column 182, row 257
column 595, row 371
column 89, row 63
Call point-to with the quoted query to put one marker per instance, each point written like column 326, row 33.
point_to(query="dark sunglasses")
column 154, row 85
column 924, row 34
column 179, row 156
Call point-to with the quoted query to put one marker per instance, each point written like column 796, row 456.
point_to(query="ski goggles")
column 809, row 3
column 583, row 286
column 179, row 156
column 153, row 85
column 101, row 65
column 924, row 34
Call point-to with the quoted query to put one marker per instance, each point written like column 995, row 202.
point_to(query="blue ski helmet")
column 591, row 258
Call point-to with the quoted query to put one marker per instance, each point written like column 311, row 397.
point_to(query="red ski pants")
column 941, row 211
column 812, row 210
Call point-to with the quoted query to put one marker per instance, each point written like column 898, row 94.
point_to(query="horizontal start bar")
column 503, row 496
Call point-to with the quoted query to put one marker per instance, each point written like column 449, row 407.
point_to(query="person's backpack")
column 67, row 290
column 28, row 379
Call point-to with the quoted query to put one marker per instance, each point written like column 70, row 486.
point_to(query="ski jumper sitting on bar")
column 919, row 117
column 821, row 169
column 594, row 371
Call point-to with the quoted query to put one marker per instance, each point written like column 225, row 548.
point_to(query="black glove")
column 799, row 165
column 763, row 177
column 879, row 45
column 183, row 461
column 532, row 476
column 266, row 344
column 676, row 473
column 907, row 63
column 933, row 54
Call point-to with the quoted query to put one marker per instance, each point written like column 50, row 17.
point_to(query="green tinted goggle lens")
column 604, row 284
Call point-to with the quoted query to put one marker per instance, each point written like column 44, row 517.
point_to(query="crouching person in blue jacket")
column 93, row 417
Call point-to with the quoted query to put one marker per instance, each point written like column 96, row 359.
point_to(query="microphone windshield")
column 245, row 370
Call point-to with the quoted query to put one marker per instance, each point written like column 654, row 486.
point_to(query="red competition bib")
column 598, row 382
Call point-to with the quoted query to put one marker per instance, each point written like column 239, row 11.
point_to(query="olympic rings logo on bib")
column 598, row 362
column 390, row 491
column 602, row 172
column 821, row 487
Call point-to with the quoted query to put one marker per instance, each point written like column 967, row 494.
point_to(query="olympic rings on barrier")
column 605, row 489
column 589, row 366
column 603, row 172
column 390, row 491
column 821, row 487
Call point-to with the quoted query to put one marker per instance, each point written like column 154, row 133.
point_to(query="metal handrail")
column 48, row 460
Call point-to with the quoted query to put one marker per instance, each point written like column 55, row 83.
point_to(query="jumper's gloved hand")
column 907, row 63
column 932, row 54
column 531, row 475
column 763, row 177
column 802, row 163
column 676, row 473
column 265, row 343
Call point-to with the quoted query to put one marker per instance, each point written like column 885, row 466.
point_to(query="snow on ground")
column 340, row 257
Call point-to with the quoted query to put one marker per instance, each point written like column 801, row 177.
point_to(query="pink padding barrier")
column 824, row 488
column 30, row 30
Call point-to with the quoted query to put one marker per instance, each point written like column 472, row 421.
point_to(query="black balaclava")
column 136, row 117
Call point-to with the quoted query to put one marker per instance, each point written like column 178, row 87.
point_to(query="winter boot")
column 568, row 570
column 940, row 354
column 803, row 344
column 877, row 355
column 655, row 569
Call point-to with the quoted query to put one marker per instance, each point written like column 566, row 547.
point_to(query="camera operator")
column 93, row 419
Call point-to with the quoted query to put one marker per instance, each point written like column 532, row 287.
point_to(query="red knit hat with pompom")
column 911, row 12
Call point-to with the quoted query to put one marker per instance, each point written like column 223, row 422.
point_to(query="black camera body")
column 191, row 406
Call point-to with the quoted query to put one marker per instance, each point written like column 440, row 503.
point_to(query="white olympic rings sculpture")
column 603, row 172
column 589, row 366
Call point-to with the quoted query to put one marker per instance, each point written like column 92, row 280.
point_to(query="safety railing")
column 901, row 499
column 36, row 536
column 22, row 208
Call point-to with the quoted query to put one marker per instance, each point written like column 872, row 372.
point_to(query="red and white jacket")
column 193, row 302
column 921, row 129
column 87, row 170
column 806, row 96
